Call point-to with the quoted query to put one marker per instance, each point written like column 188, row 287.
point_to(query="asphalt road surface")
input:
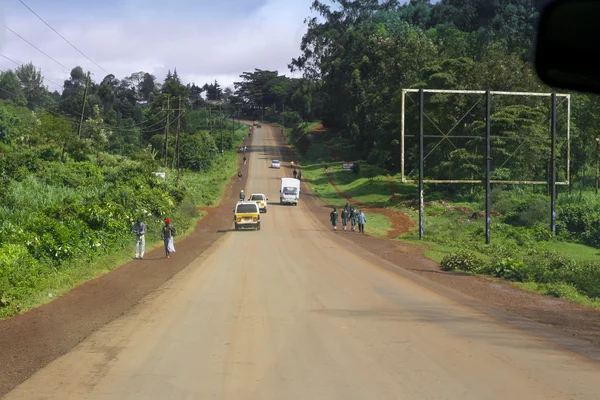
column 289, row 312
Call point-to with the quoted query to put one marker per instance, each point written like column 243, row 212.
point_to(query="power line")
column 37, row 48
column 62, row 37
column 20, row 65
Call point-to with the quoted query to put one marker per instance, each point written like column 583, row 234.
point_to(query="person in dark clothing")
column 295, row 173
column 326, row 167
column 168, row 231
column 299, row 175
column 348, row 207
column 239, row 175
column 353, row 218
column 333, row 217
column 245, row 160
column 345, row 217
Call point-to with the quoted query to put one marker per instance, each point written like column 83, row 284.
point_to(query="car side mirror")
column 568, row 45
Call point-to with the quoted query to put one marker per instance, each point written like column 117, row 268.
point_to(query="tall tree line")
column 357, row 56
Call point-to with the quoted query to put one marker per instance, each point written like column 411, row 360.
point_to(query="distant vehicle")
column 259, row 126
column 290, row 191
column 275, row 164
column 246, row 215
column 261, row 200
column 255, row 123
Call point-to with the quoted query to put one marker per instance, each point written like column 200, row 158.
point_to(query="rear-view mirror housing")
column 568, row 45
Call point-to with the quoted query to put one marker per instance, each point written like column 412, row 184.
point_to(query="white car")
column 261, row 200
column 275, row 164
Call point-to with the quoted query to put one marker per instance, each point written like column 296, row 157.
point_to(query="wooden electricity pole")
column 178, row 132
column 87, row 83
column 167, row 129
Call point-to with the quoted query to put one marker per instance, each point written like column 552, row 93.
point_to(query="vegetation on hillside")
column 73, row 184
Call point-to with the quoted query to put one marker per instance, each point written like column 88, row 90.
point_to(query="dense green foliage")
column 357, row 56
column 72, row 191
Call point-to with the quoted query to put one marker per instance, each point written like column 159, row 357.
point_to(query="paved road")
column 288, row 313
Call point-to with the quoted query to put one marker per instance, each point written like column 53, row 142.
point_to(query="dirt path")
column 32, row 340
column 401, row 223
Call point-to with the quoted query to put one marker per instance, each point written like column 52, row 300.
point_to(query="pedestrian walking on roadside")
column 326, row 167
column 168, row 231
column 299, row 175
column 362, row 220
column 244, row 160
column 295, row 173
column 242, row 195
column 239, row 175
column 345, row 217
column 353, row 218
column 333, row 217
column 348, row 207
column 140, row 238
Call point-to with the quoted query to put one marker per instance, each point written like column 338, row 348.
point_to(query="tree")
column 57, row 130
column 147, row 86
column 11, row 89
column 32, row 85
column 213, row 91
column 8, row 124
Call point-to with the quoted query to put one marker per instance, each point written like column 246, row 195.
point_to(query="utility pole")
column 221, row 127
column 167, row 129
column 262, row 108
column 597, row 162
column 210, row 119
column 87, row 83
column 178, row 133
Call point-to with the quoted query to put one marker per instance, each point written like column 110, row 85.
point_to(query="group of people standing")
column 167, row 234
column 349, row 214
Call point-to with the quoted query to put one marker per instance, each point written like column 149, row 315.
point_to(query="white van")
column 290, row 191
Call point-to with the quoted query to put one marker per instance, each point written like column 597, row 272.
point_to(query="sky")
column 205, row 40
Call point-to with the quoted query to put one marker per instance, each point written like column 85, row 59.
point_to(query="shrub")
column 463, row 260
column 189, row 210
column 580, row 222
column 533, row 210
column 508, row 268
column 19, row 273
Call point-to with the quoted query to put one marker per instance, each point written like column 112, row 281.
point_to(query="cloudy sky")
column 204, row 39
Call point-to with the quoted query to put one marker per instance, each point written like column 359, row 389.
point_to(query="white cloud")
column 202, row 51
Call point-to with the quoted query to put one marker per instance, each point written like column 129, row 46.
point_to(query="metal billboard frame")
column 486, row 181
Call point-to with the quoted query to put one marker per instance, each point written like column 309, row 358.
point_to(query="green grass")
column 575, row 251
column 563, row 291
column 378, row 225
column 370, row 188
column 205, row 189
